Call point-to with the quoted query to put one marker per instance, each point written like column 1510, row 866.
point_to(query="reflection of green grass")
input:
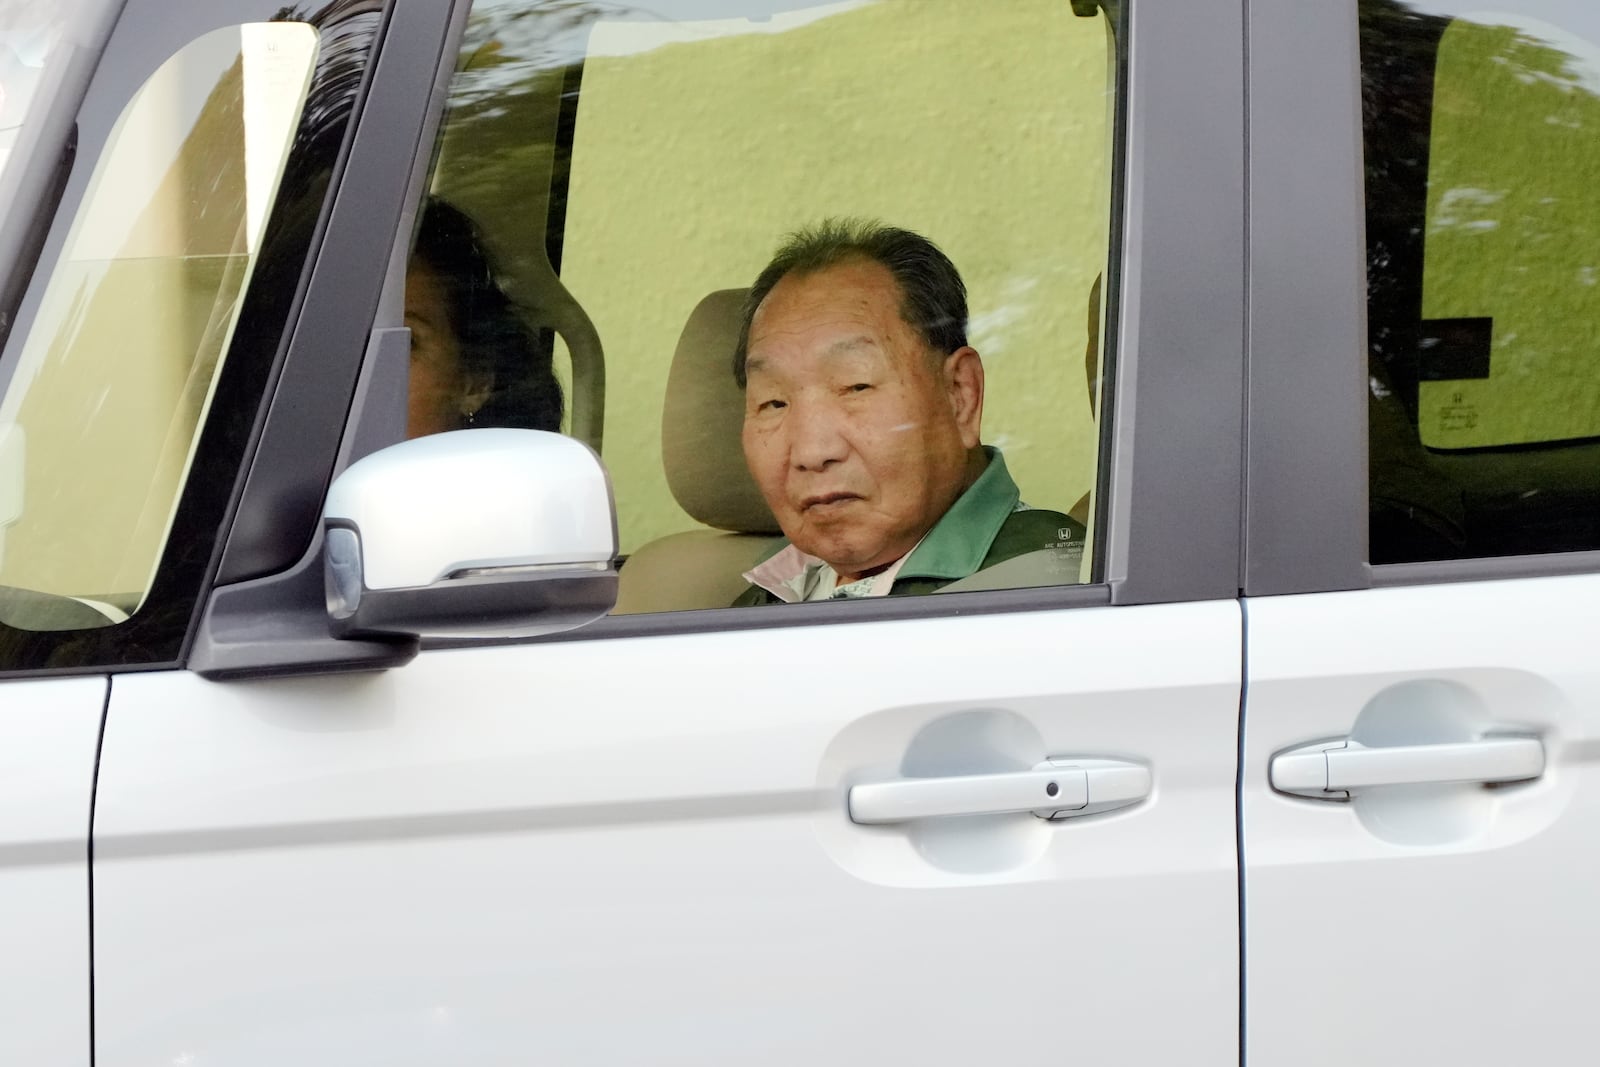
column 1514, row 234
column 985, row 132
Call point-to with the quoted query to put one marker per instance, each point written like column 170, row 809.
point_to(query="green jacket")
column 987, row 524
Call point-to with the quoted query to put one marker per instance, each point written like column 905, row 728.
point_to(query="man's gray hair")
column 933, row 298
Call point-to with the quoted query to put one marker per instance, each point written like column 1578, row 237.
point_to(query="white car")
column 327, row 738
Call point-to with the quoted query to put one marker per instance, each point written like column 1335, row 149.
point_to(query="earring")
column 470, row 419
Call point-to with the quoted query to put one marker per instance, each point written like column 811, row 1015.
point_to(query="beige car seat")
column 701, row 419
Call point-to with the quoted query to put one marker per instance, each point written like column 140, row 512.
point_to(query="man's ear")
column 963, row 381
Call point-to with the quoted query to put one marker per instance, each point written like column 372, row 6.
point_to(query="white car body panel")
column 49, row 731
column 1439, row 925
column 636, row 851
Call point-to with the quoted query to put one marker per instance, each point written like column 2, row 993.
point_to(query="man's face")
column 858, row 436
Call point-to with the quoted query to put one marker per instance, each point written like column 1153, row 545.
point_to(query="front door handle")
column 1055, row 789
column 1332, row 770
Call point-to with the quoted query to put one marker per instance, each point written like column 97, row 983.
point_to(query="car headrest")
column 701, row 419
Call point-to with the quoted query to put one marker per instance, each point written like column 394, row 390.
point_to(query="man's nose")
column 816, row 437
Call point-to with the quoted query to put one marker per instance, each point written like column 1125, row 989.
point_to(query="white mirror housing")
column 473, row 533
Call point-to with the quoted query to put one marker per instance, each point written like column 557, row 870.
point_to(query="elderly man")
column 863, row 403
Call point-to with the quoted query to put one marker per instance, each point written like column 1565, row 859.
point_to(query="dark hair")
column 933, row 298
column 495, row 340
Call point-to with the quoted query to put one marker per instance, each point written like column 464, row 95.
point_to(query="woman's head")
column 474, row 362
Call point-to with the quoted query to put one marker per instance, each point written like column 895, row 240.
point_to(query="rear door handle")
column 1332, row 770
column 1055, row 789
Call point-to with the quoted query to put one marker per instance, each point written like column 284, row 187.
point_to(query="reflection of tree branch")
column 346, row 29
column 1398, row 50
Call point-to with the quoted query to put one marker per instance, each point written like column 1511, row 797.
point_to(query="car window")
column 1482, row 138
column 113, row 379
column 625, row 176
column 46, row 53
column 148, row 331
column 36, row 40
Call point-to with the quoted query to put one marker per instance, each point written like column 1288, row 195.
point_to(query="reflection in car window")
column 633, row 173
column 114, row 375
column 475, row 362
column 45, row 52
column 32, row 45
column 1482, row 133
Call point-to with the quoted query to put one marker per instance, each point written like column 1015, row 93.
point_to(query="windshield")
column 47, row 54
column 33, row 59
column 112, row 378
column 29, row 30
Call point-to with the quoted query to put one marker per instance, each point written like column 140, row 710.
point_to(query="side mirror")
column 473, row 533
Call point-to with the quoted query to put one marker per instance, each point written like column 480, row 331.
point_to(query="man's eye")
column 860, row 387
column 772, row 405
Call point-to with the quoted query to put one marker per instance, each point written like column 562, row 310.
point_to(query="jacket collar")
column 959, row 541
column 954, row 548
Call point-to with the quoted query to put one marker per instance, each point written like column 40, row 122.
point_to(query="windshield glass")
column 29, row 30
column 112, row 379
column 38, row 42
column 47, row 54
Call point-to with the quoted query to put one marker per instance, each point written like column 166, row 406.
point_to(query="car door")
column 112, row 311
column 1417, row 782
column 634, row 841
column 499, row 854
column 49, row 736
column 49, row 727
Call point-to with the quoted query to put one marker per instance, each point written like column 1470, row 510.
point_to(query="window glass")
column 1482, row 130
column 110, row 383
column 30, row 52
column 38, row 40
column 46, row 48
column 625, row 177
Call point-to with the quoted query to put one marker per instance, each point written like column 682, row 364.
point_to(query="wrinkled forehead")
column 796, row 357
column 847, row 311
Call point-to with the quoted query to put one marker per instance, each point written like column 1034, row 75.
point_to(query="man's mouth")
column 826, row 501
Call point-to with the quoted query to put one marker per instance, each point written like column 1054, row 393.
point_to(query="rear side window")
column 627, row 175
column 1482, row 138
